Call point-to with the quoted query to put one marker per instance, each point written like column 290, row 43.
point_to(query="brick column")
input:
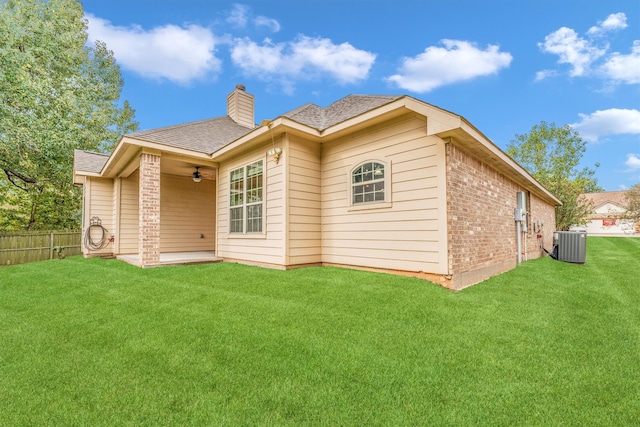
column 149, row 210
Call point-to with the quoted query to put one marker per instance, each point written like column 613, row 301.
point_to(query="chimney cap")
column 241, row 87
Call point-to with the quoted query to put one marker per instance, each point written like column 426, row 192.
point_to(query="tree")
column 57, row 94
column 633, row 204
column 551, row 155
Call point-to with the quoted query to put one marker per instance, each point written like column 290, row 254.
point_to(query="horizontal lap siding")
column 266, row 248
column 187, row 210
column 408, row 235
column 129, row 216
column 100, row 208
column 305, row 202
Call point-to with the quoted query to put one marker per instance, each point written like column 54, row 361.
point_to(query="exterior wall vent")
column 570, row 246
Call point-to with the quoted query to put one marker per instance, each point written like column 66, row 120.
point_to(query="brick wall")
column 480, row 216
column 149, row 210
column 546, row 214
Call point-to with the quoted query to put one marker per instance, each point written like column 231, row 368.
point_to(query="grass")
column 98, row 342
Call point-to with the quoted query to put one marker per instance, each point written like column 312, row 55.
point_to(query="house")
column 387, row 183
column 608, row 215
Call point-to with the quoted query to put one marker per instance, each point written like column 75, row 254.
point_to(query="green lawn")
column 98, row 342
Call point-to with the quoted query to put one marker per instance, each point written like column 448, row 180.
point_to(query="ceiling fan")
column 197, row 175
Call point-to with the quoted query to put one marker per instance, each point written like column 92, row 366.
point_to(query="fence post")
column 51, row 245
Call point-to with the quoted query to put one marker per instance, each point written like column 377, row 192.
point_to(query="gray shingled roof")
column 205, row 136
column 89, row 161
column 341, row 110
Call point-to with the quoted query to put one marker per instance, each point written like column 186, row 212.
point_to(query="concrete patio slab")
column 175, row 258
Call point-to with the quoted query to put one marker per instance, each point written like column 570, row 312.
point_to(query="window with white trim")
column 246, row 199
column 368, row 183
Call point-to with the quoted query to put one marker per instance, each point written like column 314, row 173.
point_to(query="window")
column 245, row 199
column 367, row 183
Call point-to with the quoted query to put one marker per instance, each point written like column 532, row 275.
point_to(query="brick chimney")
column 240, row 107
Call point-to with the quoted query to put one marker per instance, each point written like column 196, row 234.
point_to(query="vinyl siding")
column 304, row 202
column 407, row 233
column 240, row 107
column 187, row 210
column 99, row 206
column 263, row 248
column 129, row 217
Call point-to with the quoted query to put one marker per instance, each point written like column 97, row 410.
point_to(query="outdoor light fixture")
column 196, row 175
column 276, row 153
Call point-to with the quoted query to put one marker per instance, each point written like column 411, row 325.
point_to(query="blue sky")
column 503, row 65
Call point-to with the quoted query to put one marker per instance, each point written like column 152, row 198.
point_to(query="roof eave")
column 492, row 155
column 262, row 134
column 129, row 147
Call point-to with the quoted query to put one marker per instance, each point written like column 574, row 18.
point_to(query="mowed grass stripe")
column 91, row 341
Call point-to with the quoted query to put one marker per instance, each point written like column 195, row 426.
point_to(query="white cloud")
column 613, row 121
column 545, row 74
column 305, row 58
column 572, row 49
column 633, row 161
column 615, row 21
column 179, row 54
column 269, row 23
column 457, row 61
column 238, row 15
column 583, row 53
column 624, row 68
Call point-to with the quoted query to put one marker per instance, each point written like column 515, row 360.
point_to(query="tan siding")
column 100, row 208
column 128, row 233
column 267, row 248
column 115, row 217
column 187, row 210
column 240, row 107
column 305, row 202
column 408, row 233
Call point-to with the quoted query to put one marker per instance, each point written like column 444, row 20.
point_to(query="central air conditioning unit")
column 570, row 246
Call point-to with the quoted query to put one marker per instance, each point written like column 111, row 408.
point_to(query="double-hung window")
column 367, row 183
column 246, row 199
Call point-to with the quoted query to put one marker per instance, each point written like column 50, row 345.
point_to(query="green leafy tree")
column 551, row 154
column 633, row 204
column 57, row 94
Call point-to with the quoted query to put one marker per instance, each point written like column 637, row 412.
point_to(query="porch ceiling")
column 186, row 167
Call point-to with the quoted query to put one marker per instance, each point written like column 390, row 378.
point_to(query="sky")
column 504, row 65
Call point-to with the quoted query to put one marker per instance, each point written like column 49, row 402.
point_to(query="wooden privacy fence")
column 19, row 247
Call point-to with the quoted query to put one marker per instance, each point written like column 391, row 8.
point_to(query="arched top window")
column 368, row 182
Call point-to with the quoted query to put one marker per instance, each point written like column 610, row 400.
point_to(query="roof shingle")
column 205, row 136
column 341, row 110
column 89, row 161
column 617, row 198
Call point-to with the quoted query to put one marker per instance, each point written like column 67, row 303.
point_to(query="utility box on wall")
column 570, row 246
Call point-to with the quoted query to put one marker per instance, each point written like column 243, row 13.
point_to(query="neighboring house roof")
column 204, row 136
column 89, row 161
column 341, row 110
column 617, row 198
